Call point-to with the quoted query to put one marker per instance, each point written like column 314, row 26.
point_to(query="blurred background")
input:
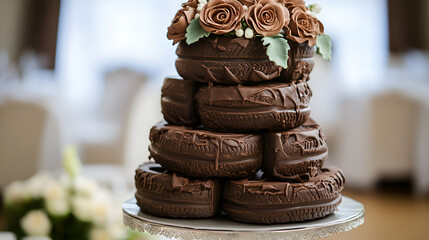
column 89, row 73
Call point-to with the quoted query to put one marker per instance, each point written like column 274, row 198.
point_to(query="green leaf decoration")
column 244, row 23
column 230, row 34
column 194, row 31
column 324, row 46
column 277, row 50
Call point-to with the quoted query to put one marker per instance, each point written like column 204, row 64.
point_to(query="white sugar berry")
column 239, row 33
column 248, row 33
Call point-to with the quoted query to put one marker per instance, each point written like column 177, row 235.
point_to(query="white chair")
column 104, row 158
column 22, row 126
column 120, row 92
column 384, row 136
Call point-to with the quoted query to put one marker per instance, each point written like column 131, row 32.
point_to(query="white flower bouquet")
column 71, row 207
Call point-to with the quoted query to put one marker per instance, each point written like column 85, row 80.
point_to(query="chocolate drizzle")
column 270, row 94
column 179, row 182
column 329, row 180
column 242, row 42
column 148, row 174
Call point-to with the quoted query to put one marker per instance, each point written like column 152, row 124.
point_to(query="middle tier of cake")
column 294, row 155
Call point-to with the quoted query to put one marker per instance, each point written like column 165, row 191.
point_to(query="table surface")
column 350, row 214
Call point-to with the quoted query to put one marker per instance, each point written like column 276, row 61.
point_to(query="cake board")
column 350, row 214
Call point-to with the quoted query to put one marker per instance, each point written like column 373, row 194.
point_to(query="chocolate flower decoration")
column 221, row 16
column 303, row 27
column 291, row 4
column 177, row 29
column 248, row 3
column 190, row 3
column 267, row 17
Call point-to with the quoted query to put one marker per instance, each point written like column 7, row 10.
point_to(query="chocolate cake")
column 296, row 154
column 200, row 153
column 267, row 202
column 177, row 101
column 232, row 61
column 272, row 106
column 238, row 134
column 164, row 193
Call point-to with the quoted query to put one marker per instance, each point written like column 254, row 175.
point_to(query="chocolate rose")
column 190, row 3
column 267, row 17
column 303, row 27
column 177, row 29
column 248, row 3
column 291, row 4
column 221, row 16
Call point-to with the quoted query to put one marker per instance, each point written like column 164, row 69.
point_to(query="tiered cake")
column 238, row 136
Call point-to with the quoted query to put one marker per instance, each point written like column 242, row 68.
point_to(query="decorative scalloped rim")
column 190, row 234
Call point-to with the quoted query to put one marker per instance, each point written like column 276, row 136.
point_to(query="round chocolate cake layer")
column 272, row 106
column 301, row 63
column 264, row 202
column 201, row 153
column 233, row 61
column 296, row 154
column 168, row 195
column 177, row 101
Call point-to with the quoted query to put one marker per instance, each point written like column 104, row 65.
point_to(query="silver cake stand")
column 350, row 214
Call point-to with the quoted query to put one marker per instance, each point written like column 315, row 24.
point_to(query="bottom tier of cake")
column 253, row 200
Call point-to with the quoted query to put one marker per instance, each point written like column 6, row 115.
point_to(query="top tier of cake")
column 236, row 42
